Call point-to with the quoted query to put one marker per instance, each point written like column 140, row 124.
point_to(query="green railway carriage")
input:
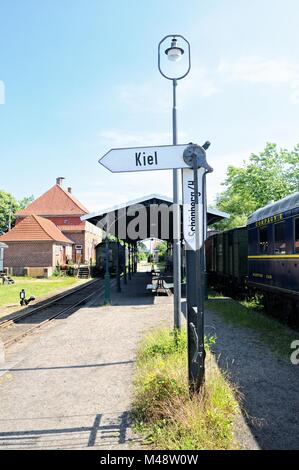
column 116, row 257
column 227, row 260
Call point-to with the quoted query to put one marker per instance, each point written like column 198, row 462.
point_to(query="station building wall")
column 34, row 258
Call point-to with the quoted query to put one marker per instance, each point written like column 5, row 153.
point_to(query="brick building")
column 49, row 231
column 35, row 246
column 65, row 211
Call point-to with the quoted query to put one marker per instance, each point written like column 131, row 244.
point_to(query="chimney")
column 69, row 190
column 59, row 180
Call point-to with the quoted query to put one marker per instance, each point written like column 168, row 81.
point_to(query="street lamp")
column 175, row 53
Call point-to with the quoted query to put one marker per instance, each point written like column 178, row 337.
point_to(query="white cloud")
column 118, row 188
column 144, row 97
column 151, row 97
column 257, row 69
column 199, row 84
column 119, row 138
column 203, row 83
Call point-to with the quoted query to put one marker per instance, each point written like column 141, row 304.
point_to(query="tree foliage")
column 268, row 176
column 142, row 252
column 162, row 249
column 8, row 208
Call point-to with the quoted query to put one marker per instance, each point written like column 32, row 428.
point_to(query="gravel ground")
column 269, row 384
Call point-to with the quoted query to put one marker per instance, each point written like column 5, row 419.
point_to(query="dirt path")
column 269, row 384
column 69, row 386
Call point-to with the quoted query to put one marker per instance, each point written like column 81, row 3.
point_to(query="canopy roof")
column 283, row 205
column 154, row 224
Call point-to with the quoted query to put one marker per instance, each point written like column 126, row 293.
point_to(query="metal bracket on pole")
column 194, row 151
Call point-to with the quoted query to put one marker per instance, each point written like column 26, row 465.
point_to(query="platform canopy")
column 146, row 217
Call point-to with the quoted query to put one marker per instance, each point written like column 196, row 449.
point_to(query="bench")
column 7, row 280
column 151, row 287
column 168, row 287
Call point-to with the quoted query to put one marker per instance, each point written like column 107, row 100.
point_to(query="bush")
column 57, row 271
column 142, row 256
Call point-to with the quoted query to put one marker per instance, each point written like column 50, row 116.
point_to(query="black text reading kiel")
column 141, row 159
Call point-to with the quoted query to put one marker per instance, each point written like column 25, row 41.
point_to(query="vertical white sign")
column 189, row 207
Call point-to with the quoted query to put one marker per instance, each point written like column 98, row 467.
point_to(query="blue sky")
column 80, row 77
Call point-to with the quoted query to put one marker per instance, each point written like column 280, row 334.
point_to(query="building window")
column 279, row 239
column 297, row 235
column 263, row 239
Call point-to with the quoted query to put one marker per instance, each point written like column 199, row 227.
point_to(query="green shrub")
column 57, row 271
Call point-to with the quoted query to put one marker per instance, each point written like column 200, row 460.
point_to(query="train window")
column 263, row 239
column 279, row 239
column 297, row 235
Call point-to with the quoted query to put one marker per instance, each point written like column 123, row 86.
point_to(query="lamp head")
column 174, row 53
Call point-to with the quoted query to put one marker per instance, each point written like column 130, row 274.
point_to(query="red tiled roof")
column 55, row 201
column 35, row 228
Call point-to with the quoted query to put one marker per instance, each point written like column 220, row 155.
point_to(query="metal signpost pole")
column 194, row 215
column 175, row 53
column 176, row 225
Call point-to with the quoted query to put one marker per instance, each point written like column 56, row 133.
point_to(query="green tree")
column 8, row 208
column 142, row 252
column 25, row 201
column 162, row 249
column 268, row 176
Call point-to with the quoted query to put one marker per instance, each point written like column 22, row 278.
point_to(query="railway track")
column 14, row 329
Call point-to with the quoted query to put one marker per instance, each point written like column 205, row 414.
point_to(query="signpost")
column 165, row 157
column 194, row 222
column 189, row 206
column 191, row 159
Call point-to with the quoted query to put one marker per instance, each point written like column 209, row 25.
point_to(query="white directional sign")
column 164, row 157
column 189, row 207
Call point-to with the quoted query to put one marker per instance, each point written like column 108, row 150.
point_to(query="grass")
column 249, row 315
column 9, row 294
column 163, row 412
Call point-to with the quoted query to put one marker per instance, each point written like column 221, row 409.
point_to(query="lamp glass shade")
column 174, row 54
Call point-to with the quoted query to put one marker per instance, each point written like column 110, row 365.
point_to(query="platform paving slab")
column 70, row 385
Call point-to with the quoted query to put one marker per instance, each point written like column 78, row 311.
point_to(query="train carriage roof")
column 283, row 205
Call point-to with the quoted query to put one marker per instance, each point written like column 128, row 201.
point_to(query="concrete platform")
column 69, row 385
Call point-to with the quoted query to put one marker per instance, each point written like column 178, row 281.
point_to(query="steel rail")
column 53, row 317
column 36, row 309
